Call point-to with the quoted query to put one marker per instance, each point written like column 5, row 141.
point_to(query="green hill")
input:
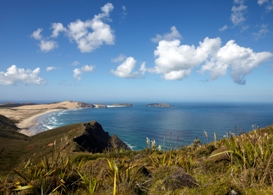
column 53, row 163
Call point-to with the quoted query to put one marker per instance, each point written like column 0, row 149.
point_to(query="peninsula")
column 26, row 115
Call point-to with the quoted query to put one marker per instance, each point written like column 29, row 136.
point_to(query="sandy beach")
column 27, row 116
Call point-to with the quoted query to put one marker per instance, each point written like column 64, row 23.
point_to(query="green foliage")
column 240, row 164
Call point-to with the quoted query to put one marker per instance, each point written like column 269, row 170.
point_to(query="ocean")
column 170, row 127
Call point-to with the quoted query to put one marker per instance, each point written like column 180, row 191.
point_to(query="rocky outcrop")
column 85, row 105
column 95, row 139
column 165, row 105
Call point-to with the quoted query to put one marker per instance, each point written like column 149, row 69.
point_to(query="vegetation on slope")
column 240, row 164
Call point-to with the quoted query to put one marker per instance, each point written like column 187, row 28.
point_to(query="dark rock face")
column 95, row 139
column 115, row 143
column 85, row 105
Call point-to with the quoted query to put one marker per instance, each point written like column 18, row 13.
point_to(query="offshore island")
column 84, row 159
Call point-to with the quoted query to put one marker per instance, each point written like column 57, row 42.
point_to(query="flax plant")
column 251, row 155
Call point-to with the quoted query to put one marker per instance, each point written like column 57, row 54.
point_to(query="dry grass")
column 235, row 165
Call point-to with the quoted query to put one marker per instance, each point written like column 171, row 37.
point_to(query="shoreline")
column 31, row 121
column 27, row 116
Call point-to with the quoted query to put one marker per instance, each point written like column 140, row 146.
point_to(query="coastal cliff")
column 95, row 139
column 82, row 137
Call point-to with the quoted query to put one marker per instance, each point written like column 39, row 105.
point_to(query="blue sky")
column 127, row 51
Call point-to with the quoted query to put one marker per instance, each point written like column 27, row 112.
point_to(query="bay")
column 170, row 127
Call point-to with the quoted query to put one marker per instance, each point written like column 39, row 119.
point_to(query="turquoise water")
column 169, row 127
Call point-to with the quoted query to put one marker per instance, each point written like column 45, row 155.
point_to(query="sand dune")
column 26, row 116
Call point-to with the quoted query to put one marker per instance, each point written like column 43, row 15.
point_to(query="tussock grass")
column 240, row 164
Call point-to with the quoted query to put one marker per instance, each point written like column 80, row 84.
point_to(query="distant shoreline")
column 30, row 122
column 26, row 116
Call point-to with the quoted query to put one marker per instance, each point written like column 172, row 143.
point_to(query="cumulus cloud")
column 101, row 33
column 237, row 12
column 262, row 32
column 174, row 34
column 225, row 27
column 125, row 70
column 15, row 75
column 37, row 34
column 175, row 61
column 45, row 44
column 88, row 35
column 120, row 58
column 77, row 72
column 57, row 28
column 241, row 60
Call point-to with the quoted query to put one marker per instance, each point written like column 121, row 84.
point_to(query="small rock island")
column 161, row 105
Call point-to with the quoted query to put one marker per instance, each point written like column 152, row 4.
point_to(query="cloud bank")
column 15, row 75
column 176, row 61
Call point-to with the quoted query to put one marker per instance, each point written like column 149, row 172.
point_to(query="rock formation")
column 95, row 139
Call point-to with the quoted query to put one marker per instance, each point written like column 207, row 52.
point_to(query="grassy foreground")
column 234, row 165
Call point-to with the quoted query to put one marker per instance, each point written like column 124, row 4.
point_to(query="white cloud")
column 120, row 58
column 101, row 33
column 77, row 72
column 262, row 32
column 57, row 28
column 47, row 46
column 223, row 28
column 75, row 63
column 50, row 68
column 143, row 68
column 174, row 34
column 241, row 60
column 176, row 61
column 237, row 15
column 37, row 34
column 125, row 70
column 88, row 35
column 15, row 75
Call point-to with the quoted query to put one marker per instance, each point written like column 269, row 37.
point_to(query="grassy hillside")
column 11, row 144
column 240, row 164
